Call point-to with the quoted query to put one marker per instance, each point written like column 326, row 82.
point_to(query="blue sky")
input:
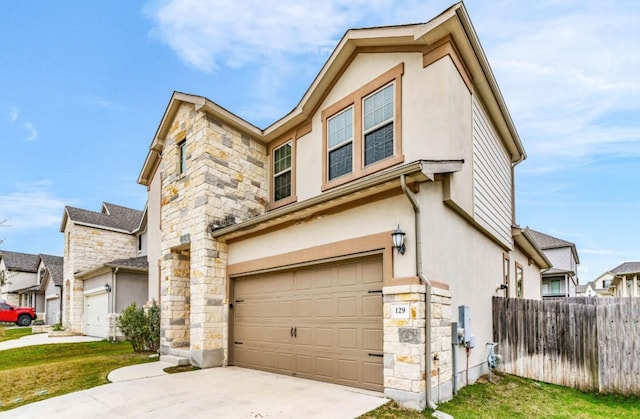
column 84, row 86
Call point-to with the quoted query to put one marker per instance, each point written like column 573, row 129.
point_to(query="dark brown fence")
column 592, row 344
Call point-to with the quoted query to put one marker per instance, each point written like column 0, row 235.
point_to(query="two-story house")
column 105, row 267
column 50, row 287
column 561, row 280
column 20, row 273
column 626, row 280
column 338, row 243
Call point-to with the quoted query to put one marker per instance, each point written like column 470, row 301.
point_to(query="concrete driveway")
column 211, row 393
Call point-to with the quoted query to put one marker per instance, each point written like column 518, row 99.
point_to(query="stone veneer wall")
column 404, row 344
column 86, row 248
column 225, row 177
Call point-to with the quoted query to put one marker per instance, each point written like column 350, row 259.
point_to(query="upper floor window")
column 362, row 132
column 41, row 275
column 340, row 147
column 282, row 172
column 378, row 125
column 139, row 243
column 182, row 156
column 506, row 272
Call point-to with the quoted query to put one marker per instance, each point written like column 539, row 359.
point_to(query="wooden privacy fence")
column 592, row 344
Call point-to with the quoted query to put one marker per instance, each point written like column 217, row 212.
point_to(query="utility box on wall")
column 464, row 322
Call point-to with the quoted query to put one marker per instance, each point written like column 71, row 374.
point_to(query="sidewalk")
column 43, row 339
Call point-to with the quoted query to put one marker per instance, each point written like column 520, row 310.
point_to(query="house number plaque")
column 400, row 311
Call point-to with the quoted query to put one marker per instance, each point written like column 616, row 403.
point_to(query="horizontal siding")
column 491, row 178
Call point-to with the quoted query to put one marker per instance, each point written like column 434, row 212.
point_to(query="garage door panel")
column 347, row 307
column 372, row 305
column 372, row 340
column 324, row 337
column 347, row 338
column 337, row 321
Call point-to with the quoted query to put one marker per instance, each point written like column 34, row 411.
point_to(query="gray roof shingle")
column 54, row 265
column 626, row 268
column 137, row 263
column 112, row 216
column 546, row 241
column 23, row 262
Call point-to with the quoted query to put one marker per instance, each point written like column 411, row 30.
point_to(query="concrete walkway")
column 43, row 339
column 210, row 393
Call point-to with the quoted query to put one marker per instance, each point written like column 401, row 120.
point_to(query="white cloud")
column 32, row 206
column 33, row 132
column 106, row 104
column 13, row 115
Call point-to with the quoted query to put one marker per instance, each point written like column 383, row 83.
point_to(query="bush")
column 57, row 327
column 140, row 327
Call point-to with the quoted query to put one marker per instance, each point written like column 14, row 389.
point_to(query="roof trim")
column 523, row 239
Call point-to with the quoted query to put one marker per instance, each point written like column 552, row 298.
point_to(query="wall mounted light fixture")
column 107, row 287
column 398, row 240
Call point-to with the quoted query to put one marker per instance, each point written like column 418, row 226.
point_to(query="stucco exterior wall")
column 154, row 236
column 130, row 287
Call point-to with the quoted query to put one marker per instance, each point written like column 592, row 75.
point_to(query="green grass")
column 514, row 397
column 14, row 333
column 41, row 372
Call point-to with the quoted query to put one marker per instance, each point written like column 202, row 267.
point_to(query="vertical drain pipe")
column 427, row 295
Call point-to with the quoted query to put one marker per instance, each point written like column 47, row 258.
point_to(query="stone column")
column 441, row 367
column 404, row 343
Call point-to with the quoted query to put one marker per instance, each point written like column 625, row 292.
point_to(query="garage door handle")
column 291, row 332
column 377, row 355
column 375, row 291
column 295, row 332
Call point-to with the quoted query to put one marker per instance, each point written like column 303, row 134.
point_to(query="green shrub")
column 57, row 327
column 140, row 327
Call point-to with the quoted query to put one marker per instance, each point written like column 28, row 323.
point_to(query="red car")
column 22, row 316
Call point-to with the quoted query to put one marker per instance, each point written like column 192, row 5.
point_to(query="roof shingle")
column 626, row 268
column 54, row 265
column 23, row 262
column 112, row 216
column 546, row 241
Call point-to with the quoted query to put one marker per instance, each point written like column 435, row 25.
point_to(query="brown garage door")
column 322, row 322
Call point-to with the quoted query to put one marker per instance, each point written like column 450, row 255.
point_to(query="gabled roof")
column 453, row 23
column 53, row 264
column 112, row 217
column 547, row 242
column 23, row 262
column 523, row 238
column 137, row 264
column 626, row 268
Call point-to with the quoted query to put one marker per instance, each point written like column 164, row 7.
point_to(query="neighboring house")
column 98, row 244
column 274, row 246
column 561, row 279
column 50, row 287
column 109, row 288
column 21, row 273
column 602, row 284
column 586, row 290
column 626, row 280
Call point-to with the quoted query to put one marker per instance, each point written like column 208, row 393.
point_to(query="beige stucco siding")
column 492, row 178
column 154, row 235
column 532, row 289
column 130, row 287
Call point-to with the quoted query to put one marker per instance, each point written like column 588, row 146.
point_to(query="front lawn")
column 13, row 333
column 35, row 373
column 514, row 397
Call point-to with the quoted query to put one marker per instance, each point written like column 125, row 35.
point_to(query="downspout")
column 427, row 295
column 113, row 301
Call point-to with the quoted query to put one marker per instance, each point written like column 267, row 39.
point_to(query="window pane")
column 183, row 156
column 282, row 186
column 378, row 144
column 340, row 128
column 378, row 108
column 340, row 161
column 282, row 158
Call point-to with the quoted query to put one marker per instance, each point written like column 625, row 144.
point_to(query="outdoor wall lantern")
column 107, row 287
column 398, row 240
